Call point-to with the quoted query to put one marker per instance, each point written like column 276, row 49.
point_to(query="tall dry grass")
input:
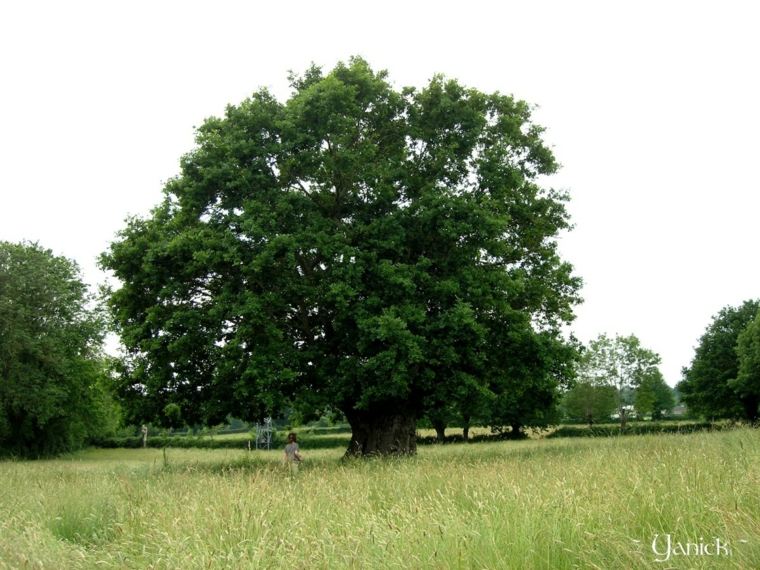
column 554, row 504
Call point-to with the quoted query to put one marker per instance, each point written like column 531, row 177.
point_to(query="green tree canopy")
column 590, row 403
column 653, row 396
column 747, row 383
column 706, row 387
column 621, row 362
column 356, row 246
column 51, row 371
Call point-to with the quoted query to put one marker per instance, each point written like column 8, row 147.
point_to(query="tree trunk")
column 440, row 431
column 466, row 429
column 385, row 433
column 623, row 417
column 750, row 404
column 516, row 432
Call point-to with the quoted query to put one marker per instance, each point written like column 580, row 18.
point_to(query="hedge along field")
column 319, row 438
column 554, row 504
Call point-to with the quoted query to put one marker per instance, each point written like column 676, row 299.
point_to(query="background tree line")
column 611, row 376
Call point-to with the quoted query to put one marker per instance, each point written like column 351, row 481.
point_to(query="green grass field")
column 554, row 504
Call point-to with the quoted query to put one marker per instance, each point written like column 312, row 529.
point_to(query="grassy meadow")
column 554, row 504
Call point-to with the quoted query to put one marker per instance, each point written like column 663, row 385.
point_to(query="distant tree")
column 620, row 362
column 173, row 415
column 747, row 383
column 653, row 396
column 707, row 387
column 356, row 246
column 590, row 403
column 53, row 393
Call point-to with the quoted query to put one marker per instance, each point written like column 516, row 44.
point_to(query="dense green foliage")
column 373, row 250
column 653, row 397
column 708, row 386
column 589, row 402
column 747, row 383
column 621, row 362
column 52, row 395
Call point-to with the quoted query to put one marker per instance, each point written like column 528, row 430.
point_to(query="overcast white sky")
column 653, row 108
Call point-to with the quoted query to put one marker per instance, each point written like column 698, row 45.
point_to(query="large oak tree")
column 358, row 246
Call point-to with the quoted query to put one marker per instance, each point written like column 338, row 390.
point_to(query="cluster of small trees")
column 723, row 380
column 617, row 375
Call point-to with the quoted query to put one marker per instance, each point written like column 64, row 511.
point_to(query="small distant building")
column 630, row 413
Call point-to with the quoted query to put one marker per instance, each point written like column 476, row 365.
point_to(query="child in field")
column 292, row 455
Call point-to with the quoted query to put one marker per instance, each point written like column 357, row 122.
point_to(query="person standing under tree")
column 292, row 455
